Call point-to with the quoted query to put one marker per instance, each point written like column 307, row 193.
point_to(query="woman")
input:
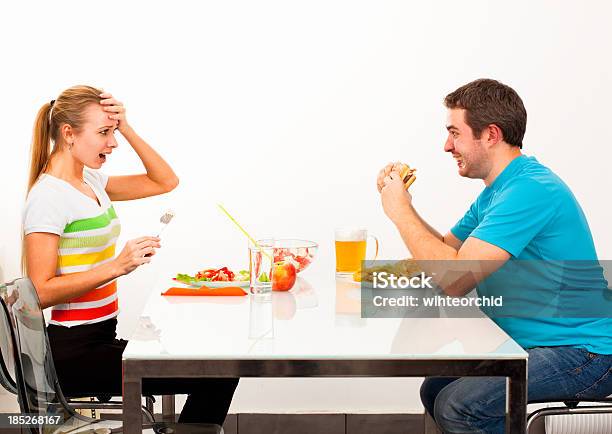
column 70, row 232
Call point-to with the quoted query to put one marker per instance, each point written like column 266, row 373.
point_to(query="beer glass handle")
column 376, row 253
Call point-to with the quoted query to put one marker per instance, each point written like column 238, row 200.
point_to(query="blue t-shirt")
column 531, row 213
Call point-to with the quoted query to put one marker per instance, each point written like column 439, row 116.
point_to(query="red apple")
column 283, row 276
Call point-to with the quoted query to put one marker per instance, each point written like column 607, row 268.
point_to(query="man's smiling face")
column 469, row 151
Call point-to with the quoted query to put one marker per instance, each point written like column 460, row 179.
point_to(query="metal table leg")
column 516, row 420
column 168, row 408
column 132, row 397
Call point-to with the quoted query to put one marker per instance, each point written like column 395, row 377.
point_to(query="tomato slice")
column 222, row 274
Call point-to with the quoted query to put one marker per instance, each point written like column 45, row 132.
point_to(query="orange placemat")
column 227, row 291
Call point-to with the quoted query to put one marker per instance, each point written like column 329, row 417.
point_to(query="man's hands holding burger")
column 392, row 183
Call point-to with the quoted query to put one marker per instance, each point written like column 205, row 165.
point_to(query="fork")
column 164, row 220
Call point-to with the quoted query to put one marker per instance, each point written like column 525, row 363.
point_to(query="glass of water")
column 261, row 261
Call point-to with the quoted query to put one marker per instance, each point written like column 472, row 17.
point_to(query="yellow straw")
column 244, row 232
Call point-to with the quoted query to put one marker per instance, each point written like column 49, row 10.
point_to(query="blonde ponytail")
column 41, row 143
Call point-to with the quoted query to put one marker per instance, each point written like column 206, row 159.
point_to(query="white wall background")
column 285, row 111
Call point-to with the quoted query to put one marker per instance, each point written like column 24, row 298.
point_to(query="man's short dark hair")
column 489, row 102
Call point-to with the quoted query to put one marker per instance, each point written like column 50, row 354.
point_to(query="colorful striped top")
column 88, row 234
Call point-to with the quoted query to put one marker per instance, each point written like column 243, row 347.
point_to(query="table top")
column 319, row 319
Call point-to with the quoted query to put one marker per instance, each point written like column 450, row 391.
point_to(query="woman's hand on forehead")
column 115, row 110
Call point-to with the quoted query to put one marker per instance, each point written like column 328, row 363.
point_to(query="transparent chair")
column 7, row 379
column 7, row 370
column 603, row 406
column 38, row 389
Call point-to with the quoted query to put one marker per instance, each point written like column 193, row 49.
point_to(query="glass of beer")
column 351, row 246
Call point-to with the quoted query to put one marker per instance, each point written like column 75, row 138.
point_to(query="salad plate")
column 215, row 278
column 219, row 284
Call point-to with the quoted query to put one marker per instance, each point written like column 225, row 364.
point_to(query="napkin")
column 226, row 291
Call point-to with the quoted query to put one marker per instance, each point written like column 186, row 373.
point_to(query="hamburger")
column 407, row 174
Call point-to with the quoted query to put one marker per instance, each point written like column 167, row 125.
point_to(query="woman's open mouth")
column 102, row 157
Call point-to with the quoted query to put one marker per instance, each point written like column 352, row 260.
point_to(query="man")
column 525, row 212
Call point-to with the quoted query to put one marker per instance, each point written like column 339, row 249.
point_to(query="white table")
column 315, row 330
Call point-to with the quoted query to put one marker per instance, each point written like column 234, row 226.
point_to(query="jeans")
column 478, row 404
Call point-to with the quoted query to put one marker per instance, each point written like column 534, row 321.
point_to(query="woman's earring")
column 70, row 145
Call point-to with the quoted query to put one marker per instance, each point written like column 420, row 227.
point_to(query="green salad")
column 223, row 274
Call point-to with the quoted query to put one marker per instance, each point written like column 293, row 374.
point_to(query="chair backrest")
column 7, row 360
column 38, row 388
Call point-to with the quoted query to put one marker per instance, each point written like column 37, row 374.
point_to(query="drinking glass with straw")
column 261, row 260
